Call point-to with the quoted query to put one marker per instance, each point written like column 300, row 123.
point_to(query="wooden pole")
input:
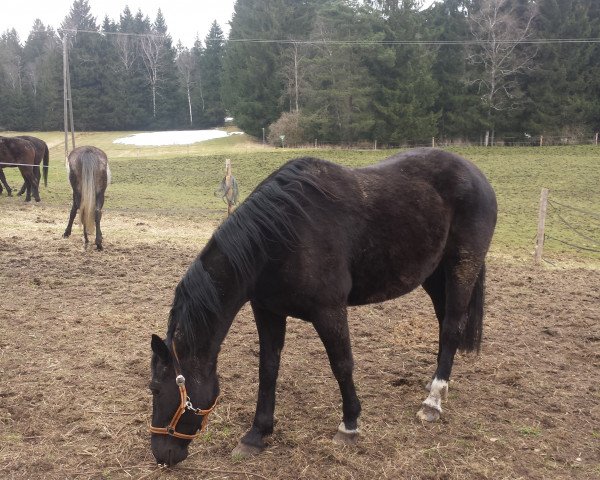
column 596, row 139
column 70, row 101
column 539, row 244
column 541, row 140
column 65, row 114
column 375, row 145
column 432, row 142
column 228, row 186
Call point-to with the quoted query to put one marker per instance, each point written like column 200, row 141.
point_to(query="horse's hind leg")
column 461, row 327
column 271, row 334
column 435, row 286
column 74, row 208
column 98, row 217
column 332, row 327
column 5, row 183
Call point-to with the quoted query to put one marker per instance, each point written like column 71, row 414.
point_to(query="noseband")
column 184, row 404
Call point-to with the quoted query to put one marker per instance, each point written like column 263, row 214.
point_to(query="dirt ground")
column 75, row 330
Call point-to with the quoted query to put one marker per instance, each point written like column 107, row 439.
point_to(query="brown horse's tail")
column 46, row 162
column 472, row 333
column 87, row 207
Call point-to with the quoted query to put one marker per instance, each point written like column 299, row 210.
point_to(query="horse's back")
column 16, row 150
column 91, row 162
column 378, row 232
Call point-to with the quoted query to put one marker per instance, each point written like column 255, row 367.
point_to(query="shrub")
column 289, row 125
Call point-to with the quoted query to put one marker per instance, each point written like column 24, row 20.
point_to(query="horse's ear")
column 160, row 348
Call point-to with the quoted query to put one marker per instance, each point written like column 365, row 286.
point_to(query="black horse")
column 89, row 176
column 17, row 152
column 313, row 238
column 42, row 154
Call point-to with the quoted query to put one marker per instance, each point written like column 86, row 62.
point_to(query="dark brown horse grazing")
column 312, row 239
column 17, row 152
column 41, row 155
column 89, row 176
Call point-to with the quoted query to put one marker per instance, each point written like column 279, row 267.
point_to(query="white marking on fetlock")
column 342, row 428
column 438, row 390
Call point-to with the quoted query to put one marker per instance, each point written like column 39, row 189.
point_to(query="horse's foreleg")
column 271, row 334
column 332, row 327
column 74, row 208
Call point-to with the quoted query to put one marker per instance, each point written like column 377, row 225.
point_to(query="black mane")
column 268, row 216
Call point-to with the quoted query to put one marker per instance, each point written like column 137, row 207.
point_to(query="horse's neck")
column 232, row 293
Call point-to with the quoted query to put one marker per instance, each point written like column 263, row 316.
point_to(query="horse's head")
column 181, row 387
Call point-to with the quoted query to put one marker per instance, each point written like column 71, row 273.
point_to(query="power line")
column 531, row 41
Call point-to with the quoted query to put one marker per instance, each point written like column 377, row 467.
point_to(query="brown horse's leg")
column 98, row 217
column 76, row 201
column 5, row 183
column 271, row 334
column 31, row 181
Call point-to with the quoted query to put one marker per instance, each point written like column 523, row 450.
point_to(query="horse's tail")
column 471, row 336
column 87, row 207
column 46, row 162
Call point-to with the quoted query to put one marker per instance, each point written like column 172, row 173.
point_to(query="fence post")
column 375, row 145
column 432, row 142
column 228, row 186
column 596, row 139
column 541, row 140
column 539, row 243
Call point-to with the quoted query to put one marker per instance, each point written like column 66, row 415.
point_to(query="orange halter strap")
column 184, row 404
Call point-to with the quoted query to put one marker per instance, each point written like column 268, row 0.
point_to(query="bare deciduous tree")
column 125, row 46
column 186, row 64
column 152, row 47
column 499, row 33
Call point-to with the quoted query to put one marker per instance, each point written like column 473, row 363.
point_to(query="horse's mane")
column 269, row 216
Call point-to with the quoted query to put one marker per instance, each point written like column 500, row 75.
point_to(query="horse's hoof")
column 66, row 235
column 243, row 450
column 346, row 438
column 428, row 414
column 99, row 248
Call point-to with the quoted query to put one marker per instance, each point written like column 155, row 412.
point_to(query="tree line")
column 333, row 70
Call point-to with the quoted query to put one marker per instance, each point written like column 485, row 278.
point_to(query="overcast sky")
column 185, row 19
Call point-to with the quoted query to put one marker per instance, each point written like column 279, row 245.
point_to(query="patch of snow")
column 185, row 137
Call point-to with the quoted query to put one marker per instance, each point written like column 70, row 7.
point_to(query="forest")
column 339, row 71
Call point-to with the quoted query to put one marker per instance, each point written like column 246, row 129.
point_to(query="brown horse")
column 89, row 176
column 17, row 152
column 41, row 154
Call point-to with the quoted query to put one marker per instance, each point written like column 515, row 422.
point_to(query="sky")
column 185, row 19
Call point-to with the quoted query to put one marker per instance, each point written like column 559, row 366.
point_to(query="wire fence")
column 575, row 227
column 591, row 138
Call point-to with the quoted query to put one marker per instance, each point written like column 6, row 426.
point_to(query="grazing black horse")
column 89, row 176
column 17, row 152
column 42, row 154
column 313, row 238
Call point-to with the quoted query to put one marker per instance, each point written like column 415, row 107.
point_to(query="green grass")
column 181, row 180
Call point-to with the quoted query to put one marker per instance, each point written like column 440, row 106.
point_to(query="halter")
column 184, row 404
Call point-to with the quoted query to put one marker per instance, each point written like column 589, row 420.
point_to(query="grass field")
column 181, row 180
column 75, row 328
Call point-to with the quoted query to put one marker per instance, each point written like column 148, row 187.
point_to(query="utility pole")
column 67, row 99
